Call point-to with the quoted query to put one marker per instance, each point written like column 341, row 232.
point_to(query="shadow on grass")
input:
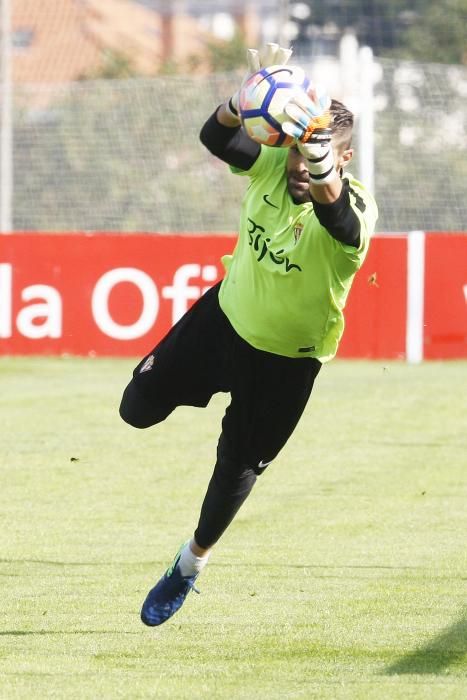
column 434, row 657
column 247, row 565
column 50, row 562
column 27, row 633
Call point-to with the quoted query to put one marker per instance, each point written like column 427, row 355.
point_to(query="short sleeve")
column 269, row 158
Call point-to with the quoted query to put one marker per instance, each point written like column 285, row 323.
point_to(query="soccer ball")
column 263, row 98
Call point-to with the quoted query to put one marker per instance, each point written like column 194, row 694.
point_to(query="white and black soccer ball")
column 262, row 101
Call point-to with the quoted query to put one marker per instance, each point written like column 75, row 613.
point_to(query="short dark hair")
column 341, row 125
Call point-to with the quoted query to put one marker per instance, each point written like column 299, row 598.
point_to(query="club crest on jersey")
column 147, row 365
column 297, row 232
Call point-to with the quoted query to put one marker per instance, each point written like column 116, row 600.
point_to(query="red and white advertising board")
column 100, row 294
column 375, row 316
column 445, row 308
column 110, row 294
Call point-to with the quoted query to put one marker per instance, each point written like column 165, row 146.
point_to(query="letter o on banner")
column 100, row 303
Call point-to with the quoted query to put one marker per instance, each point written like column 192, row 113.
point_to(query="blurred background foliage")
column 120, row 152
column 421, row 30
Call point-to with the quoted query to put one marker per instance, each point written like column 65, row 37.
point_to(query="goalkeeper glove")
column 270, row 55
column 308, row 121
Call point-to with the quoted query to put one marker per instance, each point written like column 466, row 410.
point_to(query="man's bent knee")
column 137, row 411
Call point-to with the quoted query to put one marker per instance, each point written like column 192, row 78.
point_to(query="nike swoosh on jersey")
column 265, row 198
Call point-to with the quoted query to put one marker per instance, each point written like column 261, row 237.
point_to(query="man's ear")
column 345, row 157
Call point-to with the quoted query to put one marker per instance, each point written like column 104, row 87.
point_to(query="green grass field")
column 343, row 576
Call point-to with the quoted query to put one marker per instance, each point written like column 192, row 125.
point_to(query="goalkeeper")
column 263, row 333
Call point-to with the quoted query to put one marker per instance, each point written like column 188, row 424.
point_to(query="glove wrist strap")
column 232, row 107
column 232, row 110
column 321, row 169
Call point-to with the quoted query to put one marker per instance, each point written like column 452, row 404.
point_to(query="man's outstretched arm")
column 310, row 124
column 223, row 137
column 222, row 134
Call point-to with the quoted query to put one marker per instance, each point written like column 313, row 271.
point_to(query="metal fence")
column 125, row 155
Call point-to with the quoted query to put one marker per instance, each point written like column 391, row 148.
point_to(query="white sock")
column 189, row 563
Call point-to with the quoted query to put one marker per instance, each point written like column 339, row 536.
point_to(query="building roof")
column 49, row 41
column 62, row 40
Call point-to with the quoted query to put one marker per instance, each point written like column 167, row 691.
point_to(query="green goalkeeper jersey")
column 288, row 279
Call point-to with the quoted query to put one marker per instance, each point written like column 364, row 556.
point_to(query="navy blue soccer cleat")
column 167, row 596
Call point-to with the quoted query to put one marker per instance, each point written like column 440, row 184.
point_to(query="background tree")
column 425, row 30
column 437, row 34
column 114, row 65
column 227, row 55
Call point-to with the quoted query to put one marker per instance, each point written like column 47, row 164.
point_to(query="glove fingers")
column 267, row 54
column 324, row 101
column 282, row 56
column 307, row 105
column 292, row 129
column 253, row 60
column 319, row 96
column 297, row 114
column 301, row 125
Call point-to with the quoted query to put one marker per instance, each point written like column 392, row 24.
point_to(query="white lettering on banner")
column 49, row 310
column 181, row 292
column 209, row 274
column 5, row 300
column 100, row 303
column 465, row 292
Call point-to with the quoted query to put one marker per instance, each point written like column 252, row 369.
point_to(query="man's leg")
column 186, row 368
column 228, row 488
column 230, row 485
column 269, row 394
column 138, row 411
column 183, row 369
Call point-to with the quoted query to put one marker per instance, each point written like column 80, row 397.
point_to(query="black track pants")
column 203, row 355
